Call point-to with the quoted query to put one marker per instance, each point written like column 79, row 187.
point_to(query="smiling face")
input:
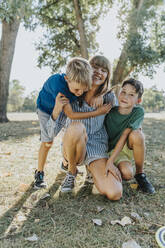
column 128, row 97
column 99, row 75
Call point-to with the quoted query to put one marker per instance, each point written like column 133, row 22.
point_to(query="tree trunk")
column 7, row 46
column 122, row 71
column 81, row 29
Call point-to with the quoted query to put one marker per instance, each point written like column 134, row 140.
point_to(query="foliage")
column 20, row 9
column 29, row 104
column 153, row 100
column 15, row 100
column 61, row 37
column 142, row 32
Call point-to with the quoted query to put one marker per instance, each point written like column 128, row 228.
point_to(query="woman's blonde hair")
column 103, row 62
column 79, row 70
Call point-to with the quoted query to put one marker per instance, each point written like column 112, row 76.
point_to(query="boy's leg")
column 126, row 170
column 43, row 150
column 74, row 150
column 107, row 185
column 137, row 144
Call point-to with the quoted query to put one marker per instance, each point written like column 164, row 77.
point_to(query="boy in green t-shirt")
column 126, row 140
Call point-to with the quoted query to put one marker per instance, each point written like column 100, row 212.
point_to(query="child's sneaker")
column 39, row 180
column 144, row 183
column 68, row 183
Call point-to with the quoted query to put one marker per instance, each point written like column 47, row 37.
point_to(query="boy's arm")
column 104, row 109
column 60, row 102
column 118, row 148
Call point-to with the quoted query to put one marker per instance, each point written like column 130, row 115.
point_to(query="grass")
column 65, row 220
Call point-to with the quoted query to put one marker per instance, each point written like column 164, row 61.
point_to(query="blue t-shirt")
column 55, row 84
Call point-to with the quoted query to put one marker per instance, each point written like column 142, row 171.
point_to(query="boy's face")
column 99, row 75
column 76, row 88
column 128, row 97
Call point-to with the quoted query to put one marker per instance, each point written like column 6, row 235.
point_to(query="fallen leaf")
column 36, row 220
column 5, row 153
column 135, row 216
column 7, row 174
column 23, row 187
column 45, row 196
column 124, row 221
column 134, row 185
column 21, row 218
column 100, row 209
column 130, row 244
column 32, row 238
column 97, row 222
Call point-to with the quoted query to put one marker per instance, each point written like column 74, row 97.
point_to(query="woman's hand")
column 97, row 102
column 104, row 109
column 111, row 168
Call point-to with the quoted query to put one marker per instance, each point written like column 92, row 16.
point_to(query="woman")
column 86, row 141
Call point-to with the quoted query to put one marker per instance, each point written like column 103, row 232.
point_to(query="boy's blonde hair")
column 79, row 70
column 101, row 61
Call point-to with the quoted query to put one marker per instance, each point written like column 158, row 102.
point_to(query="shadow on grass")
column 18, row 129
column 9, row 215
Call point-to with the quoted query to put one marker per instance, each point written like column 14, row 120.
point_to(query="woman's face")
column 99, row 75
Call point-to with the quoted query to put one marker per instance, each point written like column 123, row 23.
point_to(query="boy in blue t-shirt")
column 126, row 140
column 67, row 88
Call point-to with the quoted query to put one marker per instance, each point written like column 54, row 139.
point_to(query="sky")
column 24, row 66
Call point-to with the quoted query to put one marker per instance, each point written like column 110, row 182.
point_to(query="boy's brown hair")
column 136, row 84
column 79, row 70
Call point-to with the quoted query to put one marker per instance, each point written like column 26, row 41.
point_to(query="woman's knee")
column 114, row 194
column 75, row 131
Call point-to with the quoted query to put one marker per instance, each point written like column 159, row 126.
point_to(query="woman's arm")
column 83, row 115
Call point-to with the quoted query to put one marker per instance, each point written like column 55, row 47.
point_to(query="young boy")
column 126, row 140
column 76, row 81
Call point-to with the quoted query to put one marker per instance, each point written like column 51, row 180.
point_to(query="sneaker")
column 39, row 180
column 144, row 183
column 64, row 168
column 68, row 183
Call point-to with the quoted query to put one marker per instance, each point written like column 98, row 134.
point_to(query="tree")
column 142, row 32
column 16, row 99
column 70, row 30
column 153, row 100
column 12, row 12
column 29, row 104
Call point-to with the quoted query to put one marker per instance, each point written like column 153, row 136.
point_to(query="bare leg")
column 74, row 145
column 106, row 185
column 42, row 155
column 126, row 170
column 137, row 144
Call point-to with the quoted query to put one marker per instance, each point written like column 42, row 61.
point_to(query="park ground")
column 63, row 221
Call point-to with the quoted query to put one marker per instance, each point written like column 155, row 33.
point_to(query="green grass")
column 65, row 220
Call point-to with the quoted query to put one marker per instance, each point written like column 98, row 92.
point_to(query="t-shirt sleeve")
column 110, row 98
column 136, row 118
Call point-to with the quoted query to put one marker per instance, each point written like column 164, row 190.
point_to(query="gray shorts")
column 43, row 119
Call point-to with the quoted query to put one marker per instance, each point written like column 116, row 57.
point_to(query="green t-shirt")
column 116, row 123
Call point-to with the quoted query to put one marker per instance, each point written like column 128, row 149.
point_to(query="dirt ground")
column 63, row 221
